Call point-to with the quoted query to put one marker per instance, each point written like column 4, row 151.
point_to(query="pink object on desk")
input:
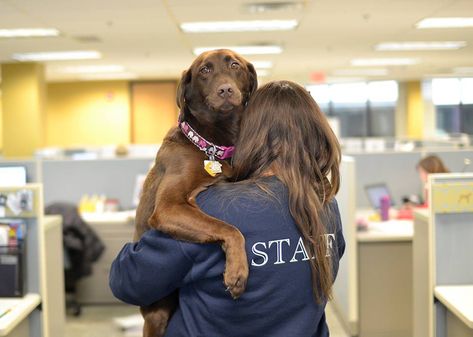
column 384, row 203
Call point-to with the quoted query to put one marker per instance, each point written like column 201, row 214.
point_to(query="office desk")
column 14, row 323
column 115, row 229
column 458, row 302
column 385, row 278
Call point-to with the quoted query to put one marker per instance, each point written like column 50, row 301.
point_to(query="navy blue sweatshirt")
column 278, row 301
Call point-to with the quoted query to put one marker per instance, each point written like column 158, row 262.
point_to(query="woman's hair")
column 432, row 164
column 283, row 131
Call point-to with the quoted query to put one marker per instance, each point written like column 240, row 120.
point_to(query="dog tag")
column 212, row 167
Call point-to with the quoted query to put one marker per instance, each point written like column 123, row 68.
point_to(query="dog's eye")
column 204, row 70
column 235, row 65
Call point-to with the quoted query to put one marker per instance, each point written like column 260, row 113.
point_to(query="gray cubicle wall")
column 69, row 180
column 31, row 166
column 398, row 171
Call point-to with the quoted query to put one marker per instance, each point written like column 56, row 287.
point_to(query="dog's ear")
column 182, row 89
column 253, row 78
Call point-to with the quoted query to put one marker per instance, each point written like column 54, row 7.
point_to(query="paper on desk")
column 130, row 323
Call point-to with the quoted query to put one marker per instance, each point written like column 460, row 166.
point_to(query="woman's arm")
column 150, row 269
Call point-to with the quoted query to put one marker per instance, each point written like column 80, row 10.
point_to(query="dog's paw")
column 235, row 280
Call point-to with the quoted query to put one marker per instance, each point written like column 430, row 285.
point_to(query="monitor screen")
column 375, row 192
column 12, row 176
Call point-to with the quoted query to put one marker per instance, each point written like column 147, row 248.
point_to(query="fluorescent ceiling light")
column 361, row 72
column 445, row 23
column 262, row 64
column 28, row 32
column 463, row 70
column 262, row 72
column 384, row 62
column 109, row 76
column 419, row 45
column 58, row 56
column 92, row 69
column 238, row 26
column 244, row 50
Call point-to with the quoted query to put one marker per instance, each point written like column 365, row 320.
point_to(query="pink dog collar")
column 211, row 150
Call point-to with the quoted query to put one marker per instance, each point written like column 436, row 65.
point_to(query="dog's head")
column 217, row 86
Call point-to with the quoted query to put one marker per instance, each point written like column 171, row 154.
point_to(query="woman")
column 429, row 165
column 286, row 169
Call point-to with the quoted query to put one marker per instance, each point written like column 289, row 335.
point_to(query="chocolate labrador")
column 211, row 95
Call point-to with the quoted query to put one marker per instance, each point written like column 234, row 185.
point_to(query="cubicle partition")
column 346, row 285
column 443, row 259
column 452, row 224
column 68, row 180
column 398, row 170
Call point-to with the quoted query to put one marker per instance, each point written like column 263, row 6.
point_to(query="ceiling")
column 144, row 37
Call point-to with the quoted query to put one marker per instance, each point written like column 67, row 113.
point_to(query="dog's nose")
column 225, row 90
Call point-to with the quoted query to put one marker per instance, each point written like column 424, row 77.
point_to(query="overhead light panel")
column 238, row 26
column 244, row 50
column 384, row 62
column 419, row 45
column 108, row 76
column 262, row 64
column 28, row 32
column 93, row 69
column 361, row 72
column 452, row 22
column 58, row 56
column 262, row 72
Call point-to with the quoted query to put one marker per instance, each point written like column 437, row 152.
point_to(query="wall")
column 88, row 113
column 153, row 110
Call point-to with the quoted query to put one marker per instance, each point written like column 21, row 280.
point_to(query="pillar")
column 23, row 108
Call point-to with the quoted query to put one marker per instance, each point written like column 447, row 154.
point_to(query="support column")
column 23, row 108
column 415, row 110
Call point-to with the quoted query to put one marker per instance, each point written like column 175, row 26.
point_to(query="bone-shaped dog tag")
column 212, row 167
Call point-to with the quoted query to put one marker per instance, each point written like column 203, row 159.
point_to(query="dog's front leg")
column 184, row 221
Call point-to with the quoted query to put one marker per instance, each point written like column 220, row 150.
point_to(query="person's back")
column 278, row 300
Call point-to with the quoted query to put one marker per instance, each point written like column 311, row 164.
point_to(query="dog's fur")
column 212, row 95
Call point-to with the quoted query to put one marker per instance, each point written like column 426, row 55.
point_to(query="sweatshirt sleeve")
column 149, row 270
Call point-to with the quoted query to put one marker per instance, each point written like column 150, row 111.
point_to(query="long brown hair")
column 284, row 131
column 433, row 164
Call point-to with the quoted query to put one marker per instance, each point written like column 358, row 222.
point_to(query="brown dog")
column 212, row 95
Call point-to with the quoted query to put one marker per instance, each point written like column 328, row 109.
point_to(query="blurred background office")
column 87, row 93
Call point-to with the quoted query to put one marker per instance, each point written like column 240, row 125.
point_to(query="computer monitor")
column 375, row 192
column 12, row 176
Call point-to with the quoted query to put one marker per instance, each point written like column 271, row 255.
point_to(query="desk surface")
column 459, row 300
column 382, row 231
column 109, row 217
column 20, row 308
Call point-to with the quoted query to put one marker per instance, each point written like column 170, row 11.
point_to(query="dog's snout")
column 225, row 90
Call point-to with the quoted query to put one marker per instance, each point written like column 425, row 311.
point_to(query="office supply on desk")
column 375, row 192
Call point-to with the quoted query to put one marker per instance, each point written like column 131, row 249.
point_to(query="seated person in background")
column 429, row 165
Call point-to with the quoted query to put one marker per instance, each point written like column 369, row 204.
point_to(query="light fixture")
column 451, row 22
column 58, row 56
column 108, row 76
column 384, row 62
column 463, row 70
column 244, row 50
column 419, row 45
column 262, row 64
column 361, row 72
column 28, row 32
column 262, row 72
column 238, row 26
column 92, row 69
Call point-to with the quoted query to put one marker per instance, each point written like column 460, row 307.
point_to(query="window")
column 363, row 109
